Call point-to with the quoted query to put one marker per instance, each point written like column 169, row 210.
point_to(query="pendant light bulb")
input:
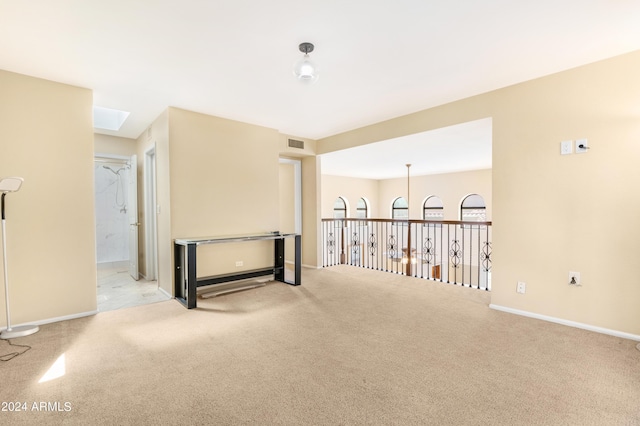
column 305, row 70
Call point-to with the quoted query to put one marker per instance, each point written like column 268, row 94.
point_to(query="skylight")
column 108, row 119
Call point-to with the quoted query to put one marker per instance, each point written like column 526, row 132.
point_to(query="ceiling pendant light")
column 305, row 70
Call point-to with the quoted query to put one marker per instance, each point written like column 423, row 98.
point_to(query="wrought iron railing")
column 447, row 251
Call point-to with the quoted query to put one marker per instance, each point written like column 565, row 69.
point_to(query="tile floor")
column 117, row 290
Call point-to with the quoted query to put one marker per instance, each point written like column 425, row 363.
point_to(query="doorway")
column 290, row 191
column 119, row 284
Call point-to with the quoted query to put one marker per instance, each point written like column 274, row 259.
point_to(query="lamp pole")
column 10, row 184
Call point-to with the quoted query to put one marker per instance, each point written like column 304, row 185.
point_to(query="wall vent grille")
column 296, row 144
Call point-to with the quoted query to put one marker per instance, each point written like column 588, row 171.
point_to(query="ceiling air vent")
column 296, row 144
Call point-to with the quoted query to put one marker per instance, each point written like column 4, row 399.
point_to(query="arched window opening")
column 362, row 211
column 433, row 209
column 473, row 209
column 339, row 208
column 400, row 209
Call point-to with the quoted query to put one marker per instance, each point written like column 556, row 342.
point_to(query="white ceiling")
column 378, row 59
column 450, row 149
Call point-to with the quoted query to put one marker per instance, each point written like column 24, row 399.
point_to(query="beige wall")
column 553, row 214
column 450, row 187
column 311, row 214
column 224, row 181
column 556, row 214
column 219, row 177
column 160, row 136
column 286, row 179
column 113, row 145
column 310, row 195
column 286, row 151
column 287, row 214
column 156, row 137
column 351, row 190
column 46, row 135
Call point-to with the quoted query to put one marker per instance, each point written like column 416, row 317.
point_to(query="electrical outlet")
column 566, row 147
column 239, row 263
column 521, row 287
column 574, row 278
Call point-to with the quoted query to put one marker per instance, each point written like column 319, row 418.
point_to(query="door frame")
column 297, row 171
column 134, row 221
column 150, row 214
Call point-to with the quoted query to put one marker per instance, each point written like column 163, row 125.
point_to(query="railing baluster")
column 458, row 255
column 462, row 253
column 421, row 238
column 478, row 255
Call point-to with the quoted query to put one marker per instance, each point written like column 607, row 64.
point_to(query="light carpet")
column 349, row 347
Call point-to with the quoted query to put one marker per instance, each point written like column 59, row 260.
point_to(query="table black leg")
column 192, row 279
column 178, row 282
column 185, row 280
column 278, row 261
column 298, row 258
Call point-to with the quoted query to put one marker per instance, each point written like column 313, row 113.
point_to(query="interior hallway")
column 117, row 290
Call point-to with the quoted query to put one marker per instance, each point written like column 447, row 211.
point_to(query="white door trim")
column 132, row 215
column 150, row 214
column 297, row 171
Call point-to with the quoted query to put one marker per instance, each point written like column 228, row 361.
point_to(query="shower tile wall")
column 112, row 224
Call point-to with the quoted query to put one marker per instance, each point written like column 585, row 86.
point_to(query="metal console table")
column 186, row 280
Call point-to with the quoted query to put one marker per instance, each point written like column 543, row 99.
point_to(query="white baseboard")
column 165, row 292
column 303, row 265
column 311, row 266
column 57, row 319
column 561, row 321
column 118, row 264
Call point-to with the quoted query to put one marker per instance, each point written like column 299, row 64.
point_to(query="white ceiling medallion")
column 305, row 70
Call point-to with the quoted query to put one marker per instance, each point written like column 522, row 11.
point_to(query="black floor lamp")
column 11, row 184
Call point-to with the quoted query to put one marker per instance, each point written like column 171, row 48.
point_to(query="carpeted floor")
column 349, row 346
